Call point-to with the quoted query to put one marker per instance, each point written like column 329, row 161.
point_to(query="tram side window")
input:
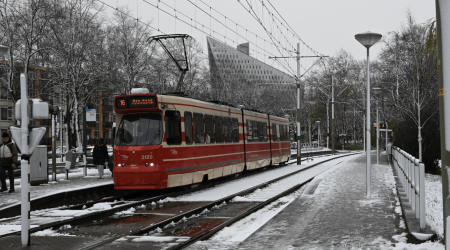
column 249, row 131
column 260, row 131
column 173, row 127
column 255, row 131
column 274, row 132
column 278, row 133
column 287, row 132
column 227, row 129
column 282, row 133
column 264, row 128
column 209, row 126
column 219, row 129
column 188, row 127
column 235, row 129
column 199, row 129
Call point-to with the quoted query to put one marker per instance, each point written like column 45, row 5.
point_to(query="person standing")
column 100, row 157
column 8, row 160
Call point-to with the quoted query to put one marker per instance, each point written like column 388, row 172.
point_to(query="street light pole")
column 299, row 150
column 368, row 39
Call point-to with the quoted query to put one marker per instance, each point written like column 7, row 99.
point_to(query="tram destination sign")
column 132, row 102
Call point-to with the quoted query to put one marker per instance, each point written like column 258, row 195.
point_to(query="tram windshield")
column 139, row 130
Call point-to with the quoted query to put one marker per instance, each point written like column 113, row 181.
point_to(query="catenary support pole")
column 299, row 151
column 53, row 149
column 332, row 117
column 25, row 168
column 84, row 142
column 378, row 136
column 442, row 25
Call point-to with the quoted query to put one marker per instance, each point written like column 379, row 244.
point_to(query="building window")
column 6, row 114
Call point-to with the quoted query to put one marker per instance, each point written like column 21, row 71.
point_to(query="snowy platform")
column 331, row 213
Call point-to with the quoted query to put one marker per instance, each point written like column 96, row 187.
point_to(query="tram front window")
column 139, row 130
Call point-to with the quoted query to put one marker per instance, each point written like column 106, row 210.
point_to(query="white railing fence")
column 411, row 173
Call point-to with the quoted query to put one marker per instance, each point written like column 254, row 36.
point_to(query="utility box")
column 70, row 160
column 39, row 166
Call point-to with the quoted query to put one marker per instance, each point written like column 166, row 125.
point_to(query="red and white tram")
column 166, row 141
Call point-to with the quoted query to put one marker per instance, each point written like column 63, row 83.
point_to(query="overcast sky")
column 325, row 25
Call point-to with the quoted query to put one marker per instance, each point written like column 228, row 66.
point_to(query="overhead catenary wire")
column 260, row 49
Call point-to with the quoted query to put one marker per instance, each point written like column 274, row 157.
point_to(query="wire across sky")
column 277, row 33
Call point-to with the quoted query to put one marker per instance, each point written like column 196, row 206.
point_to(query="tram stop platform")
column 334, row 213
column 331, row 213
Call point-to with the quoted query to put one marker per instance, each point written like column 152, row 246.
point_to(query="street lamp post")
column 368, row 39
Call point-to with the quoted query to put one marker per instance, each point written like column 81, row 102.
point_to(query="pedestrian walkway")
column 337, row 214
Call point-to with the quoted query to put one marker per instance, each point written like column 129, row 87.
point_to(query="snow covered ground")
column 244, row 228
column 76, row 181
column 231, row 237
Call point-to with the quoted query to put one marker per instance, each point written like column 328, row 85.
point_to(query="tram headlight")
column 123, row 164
column 118, row 165
column 151, row 164
column 146, row 164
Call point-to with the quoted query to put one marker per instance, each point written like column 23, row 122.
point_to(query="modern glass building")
column 235, row 64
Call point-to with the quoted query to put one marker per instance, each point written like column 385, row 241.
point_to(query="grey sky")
column 324, row 25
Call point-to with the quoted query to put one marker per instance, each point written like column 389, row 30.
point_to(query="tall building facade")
column 228, row 63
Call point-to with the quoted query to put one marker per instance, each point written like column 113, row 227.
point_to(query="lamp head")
column 367, row 39
column 3, row 50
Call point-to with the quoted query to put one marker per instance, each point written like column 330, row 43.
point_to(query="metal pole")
column 332, row 116
column 378, row 136
column 299, row 151
column 442, row 26
column 328, row 123
column 25, row 169
column 387, row 129
column 53, row 149
column 364, row 133
column 368, row 128
column 84, row 142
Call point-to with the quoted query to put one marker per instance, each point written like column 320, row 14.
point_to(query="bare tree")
column 23, row 25
column 416, row 72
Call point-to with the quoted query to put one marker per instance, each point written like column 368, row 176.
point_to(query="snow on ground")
column 242, row 229
column 230, row 237
column 433, row 203
column 234, row 186
column 76, row 181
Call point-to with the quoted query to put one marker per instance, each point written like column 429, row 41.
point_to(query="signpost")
column 27, row 141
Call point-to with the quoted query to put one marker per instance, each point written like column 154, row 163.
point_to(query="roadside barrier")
column 411, row 173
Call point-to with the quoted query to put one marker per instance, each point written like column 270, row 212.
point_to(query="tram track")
column 181, row 217
column 122, row 202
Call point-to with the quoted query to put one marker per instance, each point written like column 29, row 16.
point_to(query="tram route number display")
column 136, row 102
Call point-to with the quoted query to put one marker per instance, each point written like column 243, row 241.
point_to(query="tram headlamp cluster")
column 151, row 164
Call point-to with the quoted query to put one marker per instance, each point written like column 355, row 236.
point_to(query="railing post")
column 422, row 196
column 418, row 185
